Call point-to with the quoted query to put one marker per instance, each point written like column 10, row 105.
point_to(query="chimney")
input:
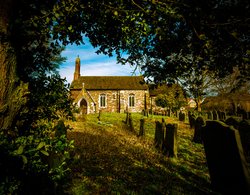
column 77, row 68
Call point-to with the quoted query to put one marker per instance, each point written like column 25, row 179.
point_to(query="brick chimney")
column 77, row 68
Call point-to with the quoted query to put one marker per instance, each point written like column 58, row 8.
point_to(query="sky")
column 92, row 64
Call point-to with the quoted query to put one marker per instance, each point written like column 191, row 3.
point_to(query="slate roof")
column 110, row 83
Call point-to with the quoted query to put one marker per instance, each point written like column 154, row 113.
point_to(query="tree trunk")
column 12, row 92
column 198, row 104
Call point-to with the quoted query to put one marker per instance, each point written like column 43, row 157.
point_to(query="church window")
column 102, row 100
column 131, row 100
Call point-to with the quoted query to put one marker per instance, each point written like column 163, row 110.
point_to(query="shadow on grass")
column 117, row 162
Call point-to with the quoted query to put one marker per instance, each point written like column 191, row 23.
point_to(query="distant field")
column 109, row 159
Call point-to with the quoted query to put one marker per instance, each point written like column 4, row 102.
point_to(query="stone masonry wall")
column 113, row 100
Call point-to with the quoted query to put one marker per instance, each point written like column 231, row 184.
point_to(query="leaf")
column 45, row 152
column 70, row 28
column 20, row 150
column 115, row 13
column 40, row 145
column 25, row 160
column 47, row 19
column 202, row 36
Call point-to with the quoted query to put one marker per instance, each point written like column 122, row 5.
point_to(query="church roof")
column 110, row 83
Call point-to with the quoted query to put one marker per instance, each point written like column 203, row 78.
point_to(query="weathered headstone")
column 244, row 115
column 233, row 121
column 210, row 115
column 99, row 115
column 244, row 130
column 215, row 115
column 182, row 116
column 142, row 127
column 199, row 123
column 159, row 134
column 130, row 121
column 223, row 116
column 127, row 118
column 219, row 114
column 170, row 141
column 192, row 121
column 227, row 166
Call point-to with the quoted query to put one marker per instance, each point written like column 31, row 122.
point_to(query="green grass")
column 109, row 159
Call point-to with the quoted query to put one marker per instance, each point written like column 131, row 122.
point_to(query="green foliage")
column 28, row 148
column 173, row 98
column 167, row 39
column 32, row 158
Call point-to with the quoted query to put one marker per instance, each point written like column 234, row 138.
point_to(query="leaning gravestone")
column 227, row 166
column 170, row 141
column 199, row 123
column 159, row 134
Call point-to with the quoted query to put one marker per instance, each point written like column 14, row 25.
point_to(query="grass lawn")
column 109, row 159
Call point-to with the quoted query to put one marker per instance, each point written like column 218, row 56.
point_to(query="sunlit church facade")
column 109, row 93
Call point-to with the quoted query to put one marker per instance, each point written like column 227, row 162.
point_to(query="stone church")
column 109, row 93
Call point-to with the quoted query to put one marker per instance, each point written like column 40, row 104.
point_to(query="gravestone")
column 215, row 115
column 170, row 141
column 99, row 115
column 192, row 121
column 130, row 121
column 199, row 123
column 223, row 116
column 227, row 165
column 244, row 115
column 159, row 134
column 210, row 115
column 142, row 127
column 233, row 121
column 127, row 118
column 244, row 130
column 181, row 116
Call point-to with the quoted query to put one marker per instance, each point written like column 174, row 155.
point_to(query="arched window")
column 102, row 100
column 131, row 100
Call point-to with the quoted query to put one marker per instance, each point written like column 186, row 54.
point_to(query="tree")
column 164, row 35
column 33, row 99
column 232, row 83
column 198, row 84
column 168, row 37
column 172, row 98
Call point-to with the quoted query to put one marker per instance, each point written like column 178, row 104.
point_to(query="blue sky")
column 91, row 63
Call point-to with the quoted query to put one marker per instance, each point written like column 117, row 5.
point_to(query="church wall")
column 74, row 93
column 119, row 98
